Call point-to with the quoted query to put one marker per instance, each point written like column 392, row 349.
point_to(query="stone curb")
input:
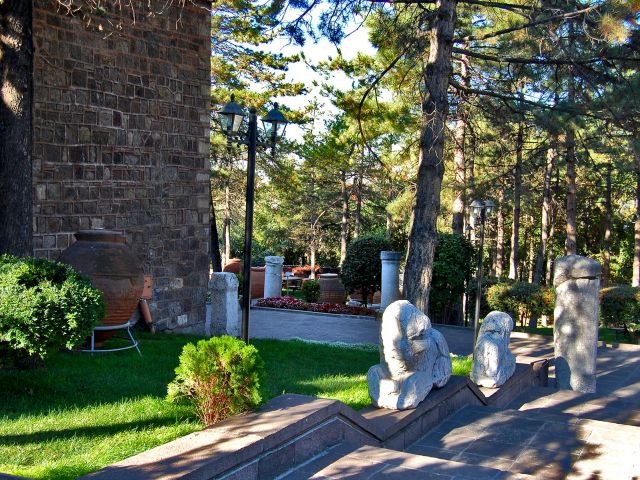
column 347, row 316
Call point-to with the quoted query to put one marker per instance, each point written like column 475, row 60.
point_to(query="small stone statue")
column 413, row 358
column 493, row 362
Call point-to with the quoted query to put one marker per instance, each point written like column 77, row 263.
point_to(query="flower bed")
column 290, row 303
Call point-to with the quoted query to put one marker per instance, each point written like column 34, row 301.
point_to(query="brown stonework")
column 121, row 141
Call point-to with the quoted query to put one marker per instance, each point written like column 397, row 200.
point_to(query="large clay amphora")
column 113, row 268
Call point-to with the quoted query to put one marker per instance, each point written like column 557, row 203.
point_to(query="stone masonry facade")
column 121, row 141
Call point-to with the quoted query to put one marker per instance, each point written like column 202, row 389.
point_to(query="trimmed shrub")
column 45, row 306
column 362, row 268
column 310, row 291
column 452, row 264
column 487, row 283
column 522, row 300
column 620, row 307
column 220, row 377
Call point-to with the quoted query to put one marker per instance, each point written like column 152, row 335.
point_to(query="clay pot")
column 257, row 282
column 331, row 289
column 113, row 268
column 233, row 266
column 371, row 299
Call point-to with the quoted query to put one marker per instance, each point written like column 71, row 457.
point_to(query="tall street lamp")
column 480, row 210
column 232, row 118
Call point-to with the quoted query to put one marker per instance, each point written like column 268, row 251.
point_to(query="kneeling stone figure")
column 493, row 361
column 413, row 359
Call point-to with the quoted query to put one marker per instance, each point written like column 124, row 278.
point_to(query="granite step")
column 542, row 444
column 347, row 461
column 622, row 406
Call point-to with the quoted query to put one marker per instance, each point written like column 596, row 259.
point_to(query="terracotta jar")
column 257, row 282
column 371, row 299
column 234, row 265
column 331, row 289
column 113, row 268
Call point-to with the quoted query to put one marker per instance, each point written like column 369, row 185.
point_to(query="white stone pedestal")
column 390, row 281
column 576, row 314
column 273, row 276
column 225, row 315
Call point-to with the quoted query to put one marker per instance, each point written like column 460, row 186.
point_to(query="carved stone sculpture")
column 413, row 359
column 493, row 362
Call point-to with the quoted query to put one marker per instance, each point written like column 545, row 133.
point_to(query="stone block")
column 576, row 315
column 225, row 315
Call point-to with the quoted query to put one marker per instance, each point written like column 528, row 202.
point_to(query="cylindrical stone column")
column 390, row 281
column 576, row 314
column 273, row 276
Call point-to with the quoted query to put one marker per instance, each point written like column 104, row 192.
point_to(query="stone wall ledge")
column 290, row 429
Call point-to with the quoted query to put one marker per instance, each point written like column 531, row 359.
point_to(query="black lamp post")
column 468, row 229
column 274, row 124
column 480, row 211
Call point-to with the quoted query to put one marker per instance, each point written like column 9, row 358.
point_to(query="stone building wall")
column 121, row 141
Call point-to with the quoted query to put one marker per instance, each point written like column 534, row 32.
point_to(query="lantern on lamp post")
column 274, row 124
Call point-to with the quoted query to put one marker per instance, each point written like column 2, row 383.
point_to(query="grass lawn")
column 80, row 413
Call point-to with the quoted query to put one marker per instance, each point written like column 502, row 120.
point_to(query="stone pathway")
column 544, row 434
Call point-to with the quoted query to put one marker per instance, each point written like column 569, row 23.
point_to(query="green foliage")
column 487, row 283
column 620, row 307
column 220, row 377
column 452, row 266
column 522, row 300
column 362, row 268
column 310, row 291
column 45, row 306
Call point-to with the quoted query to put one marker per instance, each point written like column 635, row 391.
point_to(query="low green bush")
column 220, row 377
column 362, row 268
column 522, row 300
column 310, row 291
column 45, row 306
column 487, row 283
column 620, row 307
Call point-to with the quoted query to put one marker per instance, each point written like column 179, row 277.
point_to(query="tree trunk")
column 16, row 128
column 435, row 108
column 570, row 245
column 531, row 257
column 312, row 248
column 358, row 212
column 459, row 183
column 636, row 246
column 500, row 235
column 226, row 222
column 344, row 232
column 216, row 261
column 552, row 228
column 517, row 193
column 546, row 211
column 457, row 218
column 389, row 226
column 606, row 260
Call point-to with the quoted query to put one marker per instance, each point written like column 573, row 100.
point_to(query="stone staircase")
column 544, row 434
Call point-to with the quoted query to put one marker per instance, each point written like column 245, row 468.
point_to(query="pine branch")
column 542, row 21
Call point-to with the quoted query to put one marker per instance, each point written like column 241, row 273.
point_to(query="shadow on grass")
column 71, row 380
column 87, row 432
